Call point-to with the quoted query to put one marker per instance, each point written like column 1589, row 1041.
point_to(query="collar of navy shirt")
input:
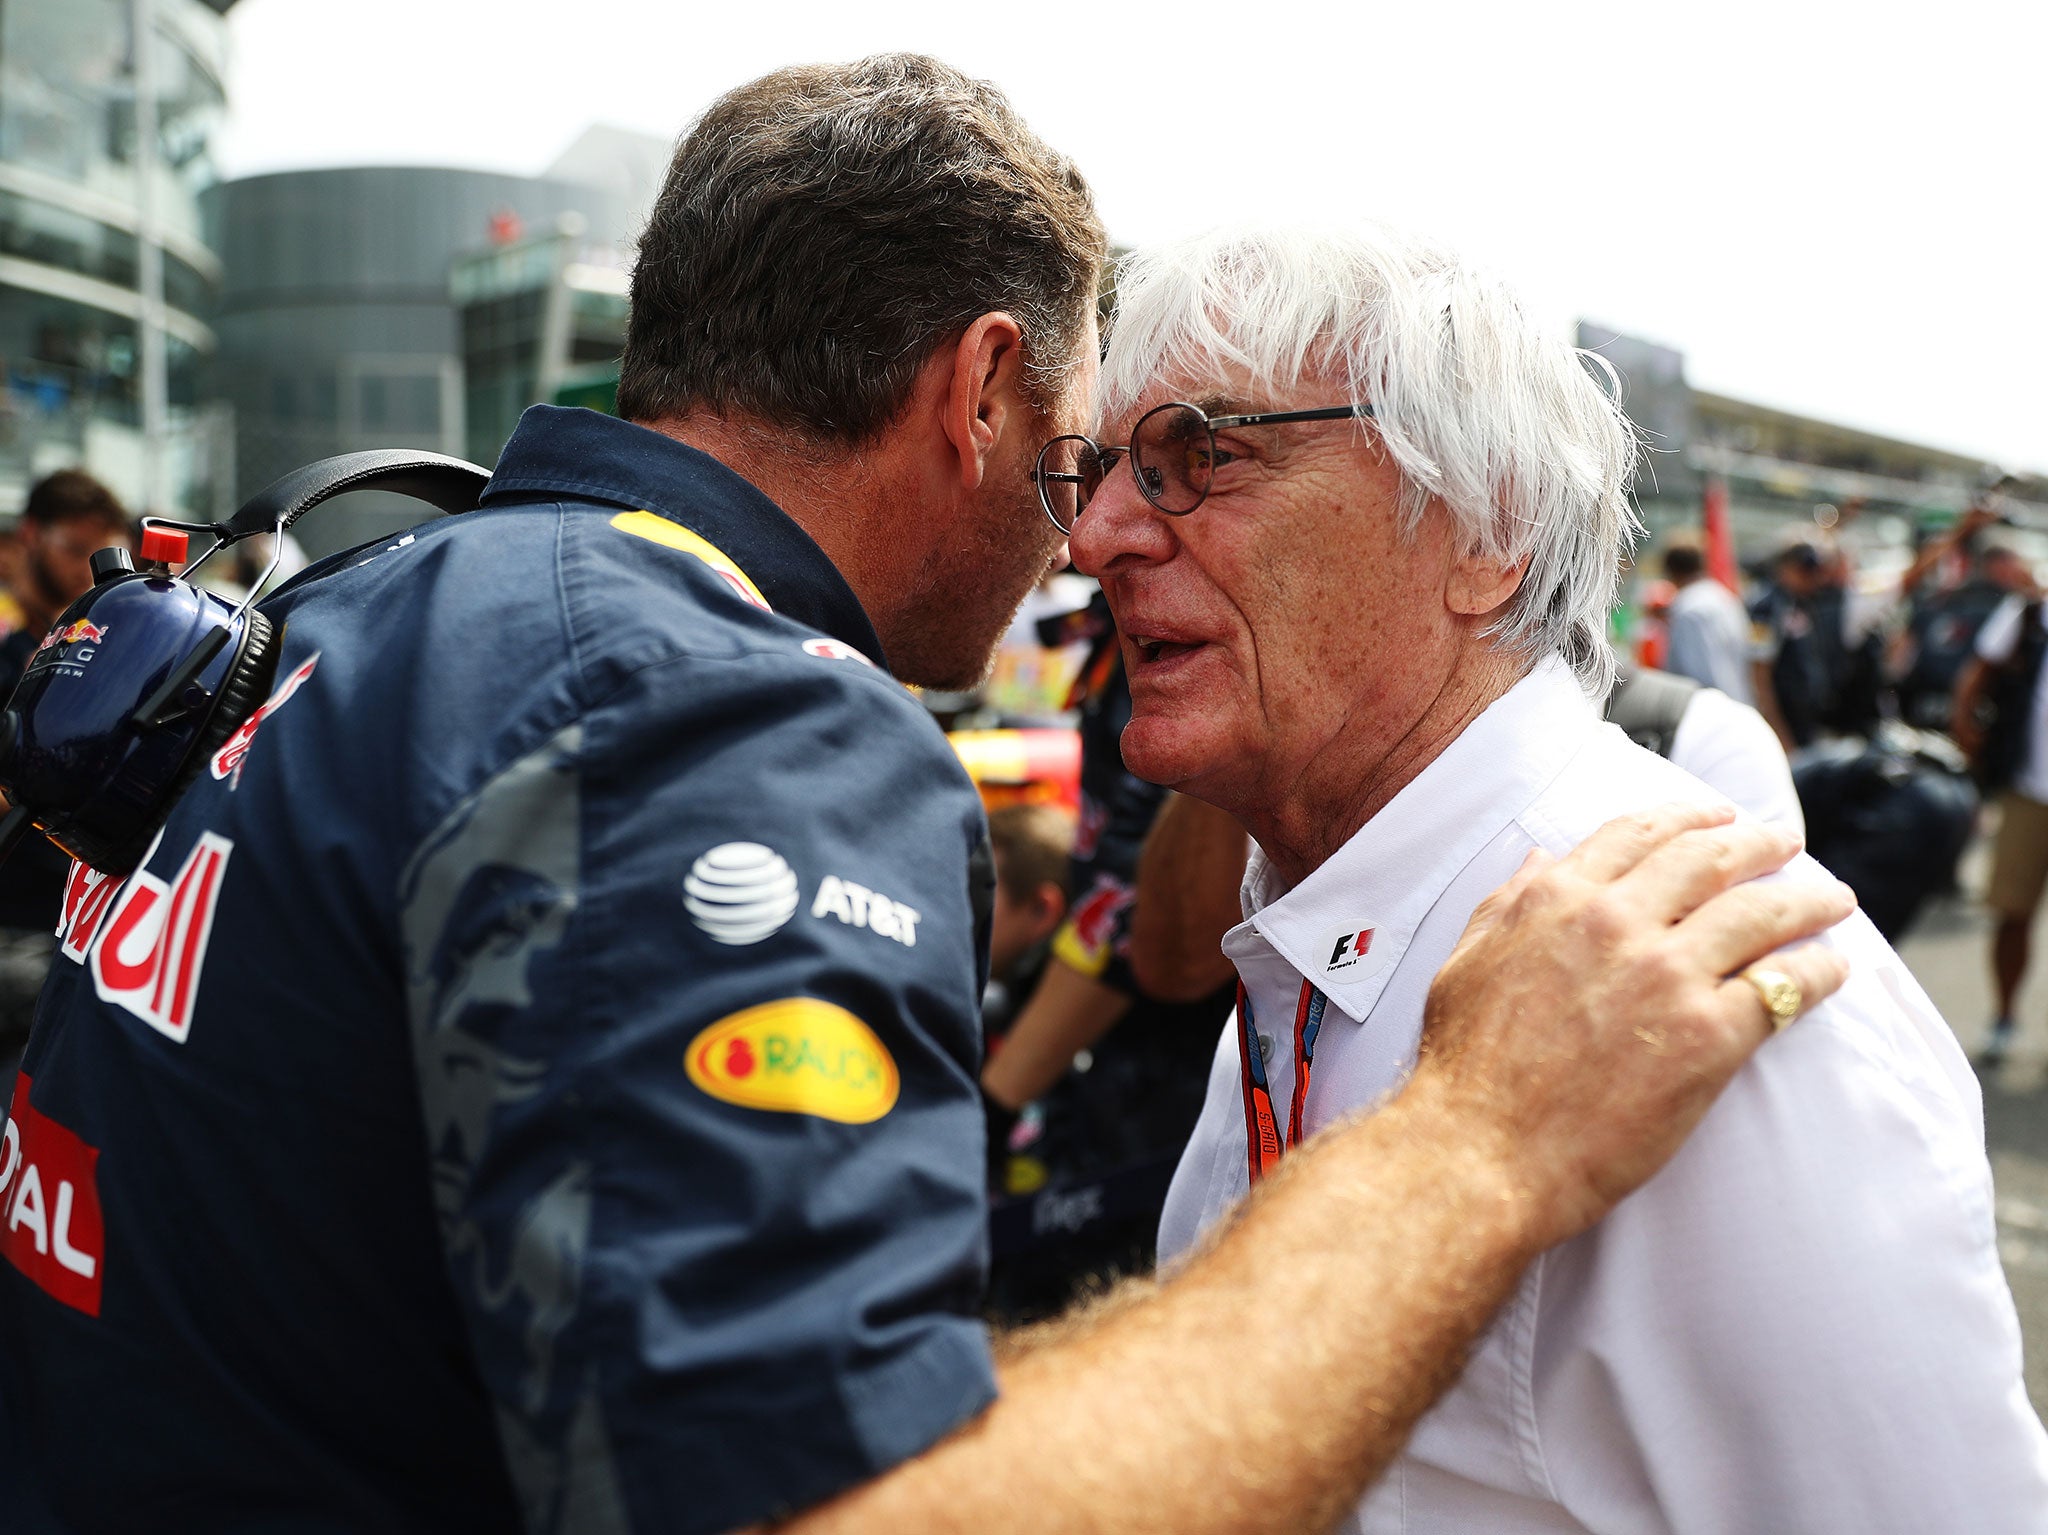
column 563, row 451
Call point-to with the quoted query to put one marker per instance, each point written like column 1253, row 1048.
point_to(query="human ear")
column 1048, row 909
column 1476, row 585
column 985, row 397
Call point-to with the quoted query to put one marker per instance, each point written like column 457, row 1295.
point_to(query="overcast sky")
column 1838, row 209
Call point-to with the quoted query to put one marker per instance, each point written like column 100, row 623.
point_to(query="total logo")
column 145, row 942
column 49, row 1188
column 1348, row 949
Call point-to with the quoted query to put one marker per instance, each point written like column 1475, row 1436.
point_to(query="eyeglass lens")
column 1173, row 450
column 1070, row 471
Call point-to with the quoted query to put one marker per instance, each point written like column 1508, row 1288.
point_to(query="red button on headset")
column 167, row 545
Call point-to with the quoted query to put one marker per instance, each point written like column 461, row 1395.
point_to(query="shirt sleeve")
column 2001, row 632
column 692, row 988
column 1801, row 1323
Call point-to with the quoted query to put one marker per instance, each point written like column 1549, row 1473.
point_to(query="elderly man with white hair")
column 1358, row 517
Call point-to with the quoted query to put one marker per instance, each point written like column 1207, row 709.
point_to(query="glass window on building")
column 65, row 359
column 63, row 70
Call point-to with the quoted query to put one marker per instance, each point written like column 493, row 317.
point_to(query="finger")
column 1673, row 880
column 1627, row 840
column 1739, row 927
column 1489, row 911
column 1817, row 970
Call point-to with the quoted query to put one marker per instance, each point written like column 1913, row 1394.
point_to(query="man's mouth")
column 1156, row 649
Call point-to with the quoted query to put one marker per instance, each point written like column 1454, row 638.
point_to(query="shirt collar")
column 1347, row 924
column 562, row 451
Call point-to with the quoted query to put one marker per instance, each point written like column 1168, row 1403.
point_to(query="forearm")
column 1067, row 1014
column 1188, row 878
column 1963, row 707
column 1263, row 1386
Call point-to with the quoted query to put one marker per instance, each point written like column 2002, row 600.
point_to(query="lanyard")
column 1261, row 1130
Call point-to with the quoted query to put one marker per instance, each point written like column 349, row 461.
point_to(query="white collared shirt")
column 1800, row 1324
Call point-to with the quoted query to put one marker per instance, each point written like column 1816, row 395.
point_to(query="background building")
column 1779, row 470
column 338, row 326
column 106, row 274
column 540, row 320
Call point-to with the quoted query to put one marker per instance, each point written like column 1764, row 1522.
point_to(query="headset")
column 148, row 674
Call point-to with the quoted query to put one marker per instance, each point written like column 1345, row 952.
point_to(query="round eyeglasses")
column 1173, row 456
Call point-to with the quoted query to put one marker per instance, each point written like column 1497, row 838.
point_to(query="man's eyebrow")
column 1222, row 405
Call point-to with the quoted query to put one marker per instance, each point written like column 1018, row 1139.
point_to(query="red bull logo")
column 227, row 762
column 78, row 629
column 146, row 946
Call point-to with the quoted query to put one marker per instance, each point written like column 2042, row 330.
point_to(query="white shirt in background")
column 1708, row 628
column 1730, row 747
column 1800, row 1324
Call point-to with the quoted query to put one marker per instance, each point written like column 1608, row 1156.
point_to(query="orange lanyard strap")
column 1261, row 1128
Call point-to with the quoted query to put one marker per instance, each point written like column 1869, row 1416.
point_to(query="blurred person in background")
column 1940, row 632
column 1708, row 625
column 1849, row 625
column 1725, row 744
column 1788, row 655
column 1032, row 681
column 2000, row 719
column 68, row 515
column 1363, row 582
column 1033, row 847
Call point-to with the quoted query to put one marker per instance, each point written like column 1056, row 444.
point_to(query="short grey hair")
column 1484, row 413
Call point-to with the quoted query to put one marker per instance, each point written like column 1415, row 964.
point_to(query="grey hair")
column 1484, row 413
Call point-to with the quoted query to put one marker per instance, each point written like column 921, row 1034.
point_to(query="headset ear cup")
column 244, row 688
column 242, row 693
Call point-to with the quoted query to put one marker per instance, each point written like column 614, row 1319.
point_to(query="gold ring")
column 1778, row 992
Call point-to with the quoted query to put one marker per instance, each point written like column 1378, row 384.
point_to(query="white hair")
column 1501, row 424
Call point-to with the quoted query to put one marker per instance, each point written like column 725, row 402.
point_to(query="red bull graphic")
column 87, row 895
column 153, row 947
column 78, row 629
column 227, row 762
column 1085, row 942
column 49, row 1188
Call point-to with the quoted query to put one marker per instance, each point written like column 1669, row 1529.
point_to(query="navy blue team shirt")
column 531, row 1082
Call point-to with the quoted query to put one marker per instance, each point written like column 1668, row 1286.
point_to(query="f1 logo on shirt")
column 1347, row 949
column 147, row 946
column 49, row 1188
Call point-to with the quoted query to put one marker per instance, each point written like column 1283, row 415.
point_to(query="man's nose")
column 1119, row 527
